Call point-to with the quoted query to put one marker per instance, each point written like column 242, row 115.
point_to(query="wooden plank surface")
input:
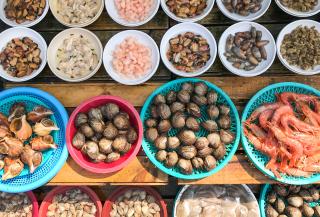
column 141, row 171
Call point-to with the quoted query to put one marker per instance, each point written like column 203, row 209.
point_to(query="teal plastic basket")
column 267, row 95
column 263, row 198
column 53, row 159
column 151, row 150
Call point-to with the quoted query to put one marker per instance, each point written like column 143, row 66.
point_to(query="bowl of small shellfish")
column 187, row 11
column 141, row 200
column 188, row 49
column 32, row 138
column 299, row 8
column 104, row 134
column 77, row 200
column 243, row 10
column 247, row 49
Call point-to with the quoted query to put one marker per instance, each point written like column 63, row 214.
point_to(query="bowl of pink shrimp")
column 131, row 57
column 281, row 132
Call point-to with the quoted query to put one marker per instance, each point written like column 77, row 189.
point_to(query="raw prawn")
column 282, row 110
column 287, row 97
column 289, row 120
column 313, row 117
column 264, row 117
column 258, row 111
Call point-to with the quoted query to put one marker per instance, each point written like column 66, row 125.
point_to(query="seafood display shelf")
column 141, row 171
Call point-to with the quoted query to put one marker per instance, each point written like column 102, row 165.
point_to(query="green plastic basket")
column 151, row 150
column 267, row 95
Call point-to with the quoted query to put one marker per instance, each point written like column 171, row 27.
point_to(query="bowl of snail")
column 104, row 134
column 32, row 138
column 191, row 128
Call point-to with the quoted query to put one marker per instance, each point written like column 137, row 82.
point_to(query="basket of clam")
column 71, row 201
column 104, row 134
column 191, row 128
column 135, row 201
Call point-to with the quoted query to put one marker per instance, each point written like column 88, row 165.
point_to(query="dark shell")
column 183, row 96
column 177, row 107
column 110, row 110
column 210, row 125
column 132, row 135
column 164, row 111
column 80, row 119
column 200, row 88
column 212, row 97
column 95, row 113
column 178, row 120
column 199, row 100
column 16, row 111
column 164, row 126
column 121, row 121
column 86, row 130
column 110, row 131
column 192, row 124
column 154, row 112
column 172, row 159
column 185, row 166
column 188, row 152
column 161, row 142
column 224, row 122
column 194, row 110
column 209, row 162
column 159, row 99
column 188, row 87
column 152, row 134
column 213, row 111
column 187, row 137
column 171, row 97
column 151, row 122
column 78, row 140
column 97, row 125
column 220, row 152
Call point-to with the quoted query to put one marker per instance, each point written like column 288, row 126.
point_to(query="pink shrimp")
column 313, row 158
column 313, row 117
column 258, row 111
column 289, row 120
column 295, row 146
column 314, row 168
column 256, row 130
column 297, row 172
column 273, row 166
column 281, row 111
column 287, row 97
column 264, row 117
column 317, row 106
column 253, row 139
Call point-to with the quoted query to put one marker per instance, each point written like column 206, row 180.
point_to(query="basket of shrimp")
column 191, row 128
column 281, row 132
column 32, row 138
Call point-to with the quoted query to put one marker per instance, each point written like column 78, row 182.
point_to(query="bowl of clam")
column 135, row 201
column 191, row 128
column 104, row 134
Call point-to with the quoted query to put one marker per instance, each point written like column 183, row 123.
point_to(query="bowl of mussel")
column 104, row 134
column 191, row 128
column 32, row 138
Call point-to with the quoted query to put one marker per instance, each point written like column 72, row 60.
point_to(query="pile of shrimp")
column 288, row 132
column 134, row 10
column 132, row 59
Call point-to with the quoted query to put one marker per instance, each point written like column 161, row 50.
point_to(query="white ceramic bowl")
column 252, row 16
column 113, row 13
column 56, row 43
column 20, row 32
column 3, row 17
column 210, row 4
column 299, row 13
column 54, row 9
column 288, row 29
column 142, row 38
column 270, row 48
column 181, row 29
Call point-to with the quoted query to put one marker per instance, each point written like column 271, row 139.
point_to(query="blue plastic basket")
column 267, row 95
column 151, row 150
column 53, row 159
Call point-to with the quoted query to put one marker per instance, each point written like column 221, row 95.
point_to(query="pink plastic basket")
column 35, row 205
column 103, row 167
column 60, row 190
column 121, row 190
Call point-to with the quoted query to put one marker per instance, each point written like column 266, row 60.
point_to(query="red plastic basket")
column 35, row 205
column 103, row 167
column 60, row 190
column 121, row 190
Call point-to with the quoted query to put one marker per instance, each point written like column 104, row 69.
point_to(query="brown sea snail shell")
column 192, row 124
column 159, row 99
column 197, row 162
column 16, row 111
column 30, row 157
column 132, row 135
column 38, row 113
column 164, row 111
column 44, row 127
column 105, row 146
column 161, row 155
column 97, row 125
column 200, row 88
column 80, row 119
column 189, row 87
column 12, row 168
column 188, row 152
column 187, row 137
column 91, row 149
column 11, row 146
column 120, row 143
column 21, row 128
column 43, row 143
column 209, row 162
column 114, row 156
column 212, row 97
column 78, row 140
column 185, row 166
column 110, row 110
column 171, row 97
column 121, row 121
column 178, row 120
column 173, row 142
column 172, row 159
column 95, row 113
column 86, row 130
